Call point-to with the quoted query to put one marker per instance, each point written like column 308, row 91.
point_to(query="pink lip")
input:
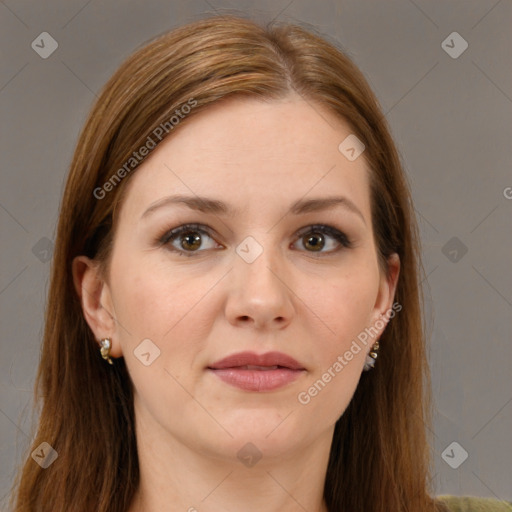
column 232, row 370
column 253, row 359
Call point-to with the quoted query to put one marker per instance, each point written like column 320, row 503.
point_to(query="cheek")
column 163, row 305
column 149, row 300
column 345, row 309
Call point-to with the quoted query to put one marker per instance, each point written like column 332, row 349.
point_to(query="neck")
column 175, row 476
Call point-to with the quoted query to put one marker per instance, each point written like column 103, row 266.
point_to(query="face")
column 258, row 267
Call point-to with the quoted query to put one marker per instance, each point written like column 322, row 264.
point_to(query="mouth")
column 252, row 372
column 263, row 368
column 253, row 361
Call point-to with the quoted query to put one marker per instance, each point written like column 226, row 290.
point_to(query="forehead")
column 245, row 151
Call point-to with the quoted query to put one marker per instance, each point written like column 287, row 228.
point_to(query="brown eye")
column 315, row 242
column 323, row 240
column 190, row 241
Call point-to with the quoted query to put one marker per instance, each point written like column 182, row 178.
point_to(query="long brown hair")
column 379, row 459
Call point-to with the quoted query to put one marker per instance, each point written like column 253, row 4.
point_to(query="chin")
column 269, row 430
column 251, row 448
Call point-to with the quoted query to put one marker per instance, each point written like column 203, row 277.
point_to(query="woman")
column 279, row 365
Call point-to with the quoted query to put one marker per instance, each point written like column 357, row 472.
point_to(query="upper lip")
column 253, row 359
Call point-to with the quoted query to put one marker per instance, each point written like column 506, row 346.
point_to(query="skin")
column 259, row 157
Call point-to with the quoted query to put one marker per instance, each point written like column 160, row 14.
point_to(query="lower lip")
column 257, row 380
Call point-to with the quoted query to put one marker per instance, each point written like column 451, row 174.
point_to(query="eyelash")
column 170, row 235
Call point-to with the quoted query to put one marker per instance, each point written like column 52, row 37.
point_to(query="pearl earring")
column 106, row 345
column 371, row 357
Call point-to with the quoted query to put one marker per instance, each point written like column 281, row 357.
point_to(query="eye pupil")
column 193, row 239
column 315, row 245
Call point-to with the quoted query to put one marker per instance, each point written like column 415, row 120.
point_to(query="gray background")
column 451, row 119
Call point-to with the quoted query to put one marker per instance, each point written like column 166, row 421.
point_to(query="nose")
column 260, row 295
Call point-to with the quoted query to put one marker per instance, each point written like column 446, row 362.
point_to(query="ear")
column 96, row 301
column 385, row 296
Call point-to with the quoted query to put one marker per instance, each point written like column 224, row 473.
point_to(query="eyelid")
column 331, row 231
column 335, row 233
column 184, row 228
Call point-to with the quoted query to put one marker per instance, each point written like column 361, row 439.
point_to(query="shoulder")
column 473, row 504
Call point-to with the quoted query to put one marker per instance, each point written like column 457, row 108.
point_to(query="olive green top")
column 472, row 504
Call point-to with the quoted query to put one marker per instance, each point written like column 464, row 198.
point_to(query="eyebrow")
column 214, row 206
